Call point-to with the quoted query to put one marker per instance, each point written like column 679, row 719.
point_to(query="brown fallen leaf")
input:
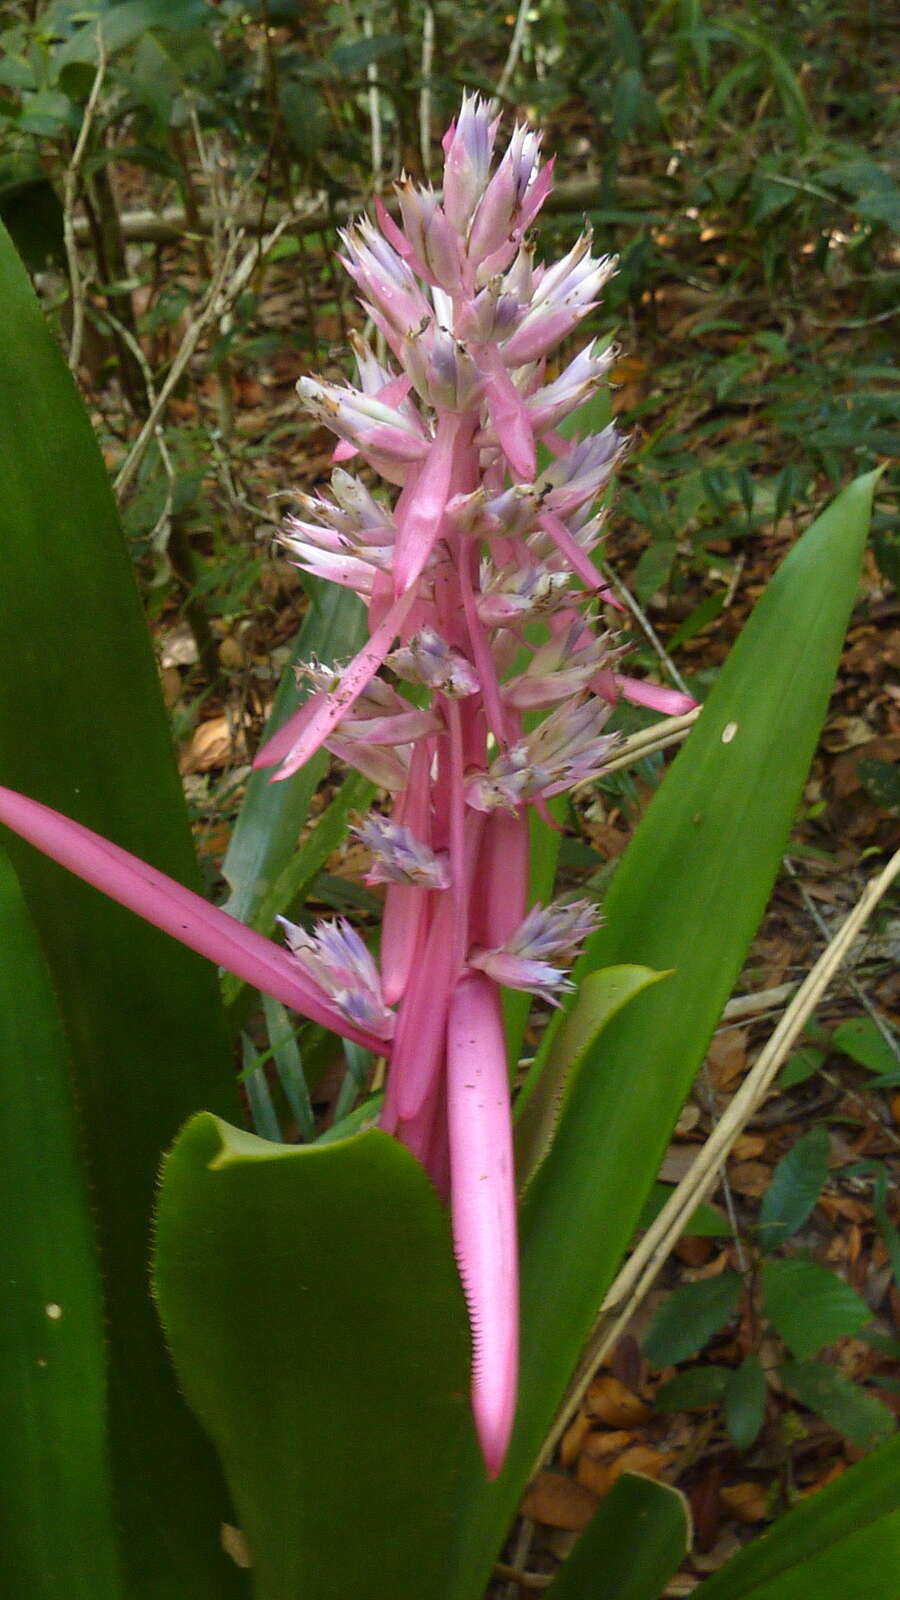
column 746, row 1502
column 748, row 1146
column 609, row 1401
column 219, row 742
column 573, row 1439
column 558, row 1502
column 601, row 1445
column 750, row 1177
column 727, row 1057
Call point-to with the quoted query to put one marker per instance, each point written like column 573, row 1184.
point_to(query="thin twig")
column 165, row 457
column 815, row 915
column 515, row 48
column 646, row 627
column 171, row 226
column 70, row 192
column 227, row 284
column 640, row 1271
column 425, row 91
column 373, row 96
column 663, row 734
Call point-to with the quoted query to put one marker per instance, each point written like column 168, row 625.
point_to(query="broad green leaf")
column 856, row 1568
column 707, row 1222
column 815, row 1530
column 688, row 894
column 859, row 1416
column 272, row 814
column 633, row 1544
column 540, row 1100
column 689, row 1318
column 809, row 1305
column 57, row 1529
column 316, row 1321
column 82, row 728
column 803, row 1064
column 745, row 1402
column 695, row 1389
column 796, row 1185
column 123, row 24
column 860, row 1039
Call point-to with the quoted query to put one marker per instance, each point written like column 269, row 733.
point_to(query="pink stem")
column 418, row 1049
column 309, row 727
column 571, row 549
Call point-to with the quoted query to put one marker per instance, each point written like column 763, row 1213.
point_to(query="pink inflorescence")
column 481, row 592
column 477, row 546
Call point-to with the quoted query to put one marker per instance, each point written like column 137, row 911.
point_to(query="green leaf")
column 881, row 779
column 316, row 1321
column 745, row 1402
column 689, row 1318
column 859, row 1416
column 633, row 1544
column 803, row 1064
column 58, row 1529
column 123, row 24
column 293, row 882
column 861, row 1040
column 796, row 1185
column 688, row 894
column 810, row 1306
column 695, row 1389
column 83, row 729
column 856, row 1501
column 855, row 1568
column 272, row 814
column 707, row 1222
column 654, row 568
column 539, row 1103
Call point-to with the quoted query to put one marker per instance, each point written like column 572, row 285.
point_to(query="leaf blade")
column 265, row 1334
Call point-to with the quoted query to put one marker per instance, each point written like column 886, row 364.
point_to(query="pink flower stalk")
column 478, row 547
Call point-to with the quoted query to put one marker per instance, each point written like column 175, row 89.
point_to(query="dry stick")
column 515, row 48
column 134, row 346
column 373, row 97
column 663, row 734
column 646, row 627
column 425, row 91
column 170, row 225
column 639, row 1272
column 222, row 293
column 815, row 916
column 70, row 188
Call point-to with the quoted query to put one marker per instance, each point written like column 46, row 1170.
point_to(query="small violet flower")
column 475, row 544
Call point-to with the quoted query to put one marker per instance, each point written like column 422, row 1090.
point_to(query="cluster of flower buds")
column 482, row 594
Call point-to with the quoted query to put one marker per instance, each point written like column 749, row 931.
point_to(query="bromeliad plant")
column 309, row 1295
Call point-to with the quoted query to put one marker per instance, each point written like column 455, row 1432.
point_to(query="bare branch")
column 70, row 195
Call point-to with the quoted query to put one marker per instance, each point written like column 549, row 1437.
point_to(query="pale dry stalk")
column 640, row 1271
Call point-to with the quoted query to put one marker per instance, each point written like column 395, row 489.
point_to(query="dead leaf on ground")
column 219, row 742
column 559, row 1502
column 746, row 1502
column 727, row 1057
